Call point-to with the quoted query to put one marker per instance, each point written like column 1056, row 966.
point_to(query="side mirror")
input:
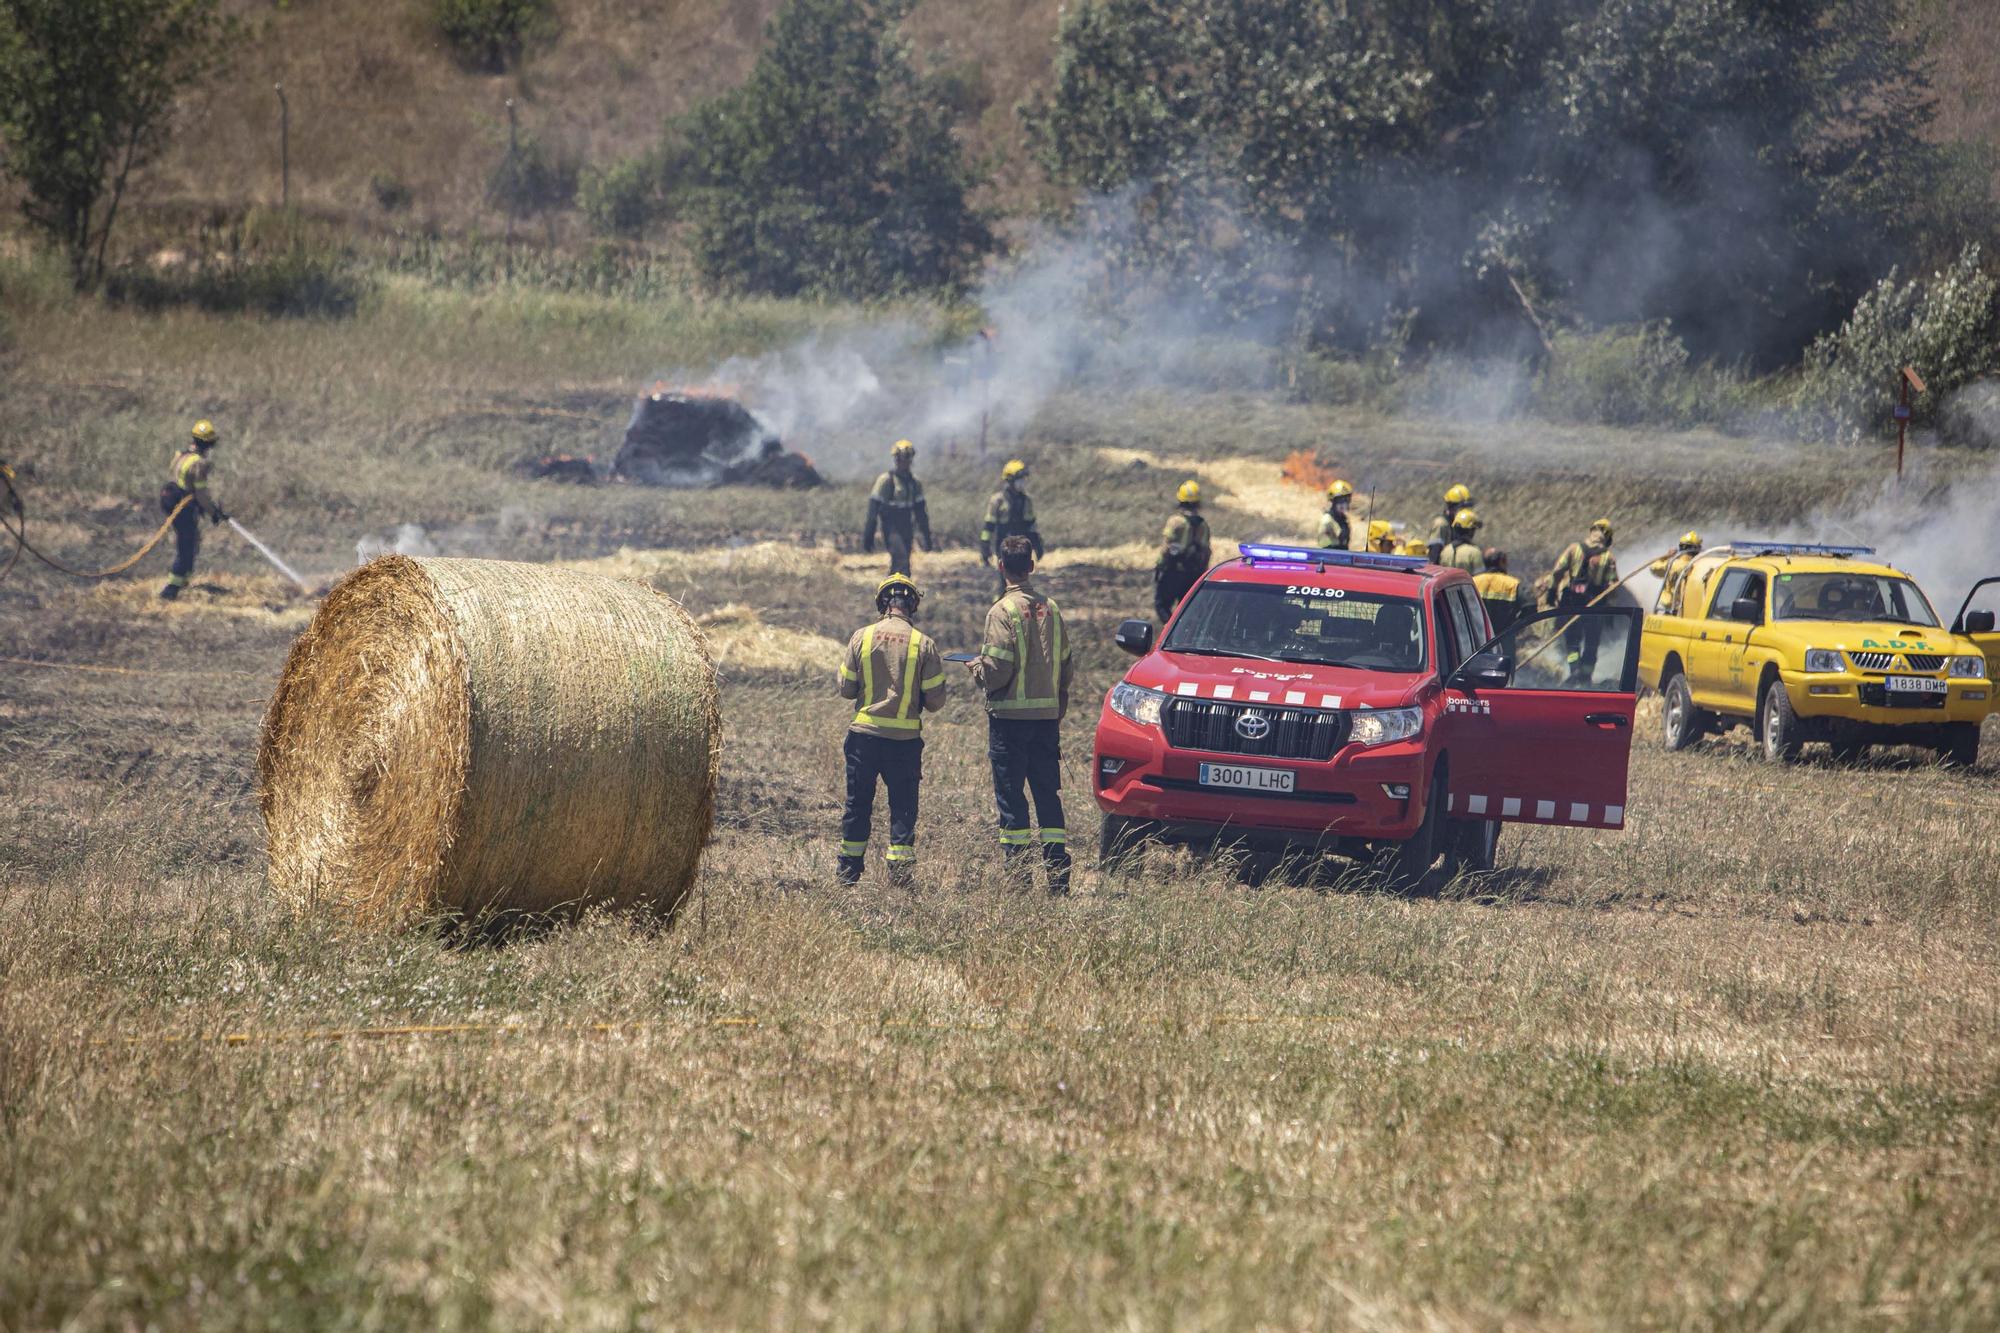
column 1978, row 622
column 1488, row 670
column 1749, row 610
column 1136, row 637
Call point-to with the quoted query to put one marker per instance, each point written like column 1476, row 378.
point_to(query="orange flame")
column 1303, row 468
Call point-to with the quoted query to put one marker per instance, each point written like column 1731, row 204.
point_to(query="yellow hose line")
column 21, row 543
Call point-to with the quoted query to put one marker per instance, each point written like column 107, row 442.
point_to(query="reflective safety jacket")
column 1672, row 573
column 1584, row 570
column 894, row 672
column 1184, row 544
column 1336, row 532
column 1010, row 513
column 1505, row 596
column 1462, row 555
column 897, row 505
column 1440, row 530
column 1024, row 665
column 189, row 472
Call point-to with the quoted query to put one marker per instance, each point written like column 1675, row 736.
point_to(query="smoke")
column 503, row 537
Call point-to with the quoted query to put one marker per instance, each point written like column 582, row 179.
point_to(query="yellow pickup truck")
column 1816, row 643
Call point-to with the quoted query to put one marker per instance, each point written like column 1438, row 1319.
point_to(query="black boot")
column 1056, row 857
column 848, row 869
column 170, row 592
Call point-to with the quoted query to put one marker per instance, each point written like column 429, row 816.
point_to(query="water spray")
column 270, row 555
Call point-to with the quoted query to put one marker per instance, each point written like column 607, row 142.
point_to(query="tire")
column 1961, row 747
column 1471, row 846
column 1119, row 842
column 1777, row 724
column 1681, row 722
column 1412, row 860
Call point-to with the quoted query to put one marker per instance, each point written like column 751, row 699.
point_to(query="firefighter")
column 1335, row 531
column 1462, row 551
column 897, row 505
column 1505, row 596
column 188, row 476
column 1585, row 571
column 1417, row 546
column 1672, row 571
column 1455, row 499
column 1184, row 552
column 1010, row 513
column 1381, row 536
column 893, row 672
column 1024, row 667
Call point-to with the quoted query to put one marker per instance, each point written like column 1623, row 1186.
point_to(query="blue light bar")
column 1313, row 555
column 1796, row 548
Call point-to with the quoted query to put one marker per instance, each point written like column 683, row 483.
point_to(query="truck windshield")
column 1317, row 628
column 1843, row 596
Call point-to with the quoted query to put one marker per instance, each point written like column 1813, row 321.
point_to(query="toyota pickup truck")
column 1808, row 643
column 1359, row 704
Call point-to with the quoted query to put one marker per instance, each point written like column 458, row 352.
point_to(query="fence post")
column 284, row 149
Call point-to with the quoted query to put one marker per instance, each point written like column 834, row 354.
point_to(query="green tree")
column 834, row 168
column 86, row 98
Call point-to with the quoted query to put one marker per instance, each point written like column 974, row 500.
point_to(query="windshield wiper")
column 1223, row 652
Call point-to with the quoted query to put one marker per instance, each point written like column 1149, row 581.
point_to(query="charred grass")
column 1733, row 1067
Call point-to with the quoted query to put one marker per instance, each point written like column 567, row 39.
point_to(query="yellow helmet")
column 1416, row 546
column 1340, row 490
column 1378, row 528
column 1458, row 495
column 893, row 584
column 902, row 447
column 1189, row 493
column 203, row 432
column 1465, row 520
column 1015, row 468
column 1602, row 525
column 1690, row 540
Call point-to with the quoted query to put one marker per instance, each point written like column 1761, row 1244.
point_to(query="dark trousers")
column 897, row 539
column 900, row 766
column 1580, row 641
column 1029, row 754
column 1169, row 586
column 187, row 544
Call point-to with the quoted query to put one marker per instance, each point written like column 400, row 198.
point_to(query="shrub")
column 493, row 34
column 392, row 195
column 621, row 199
column 296, row 279
column 533, row 178
column 1620, row 376
column 1944, row 325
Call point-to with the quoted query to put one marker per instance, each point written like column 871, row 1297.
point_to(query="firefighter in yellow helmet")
column 894, row 674
column 1672, row 572
column 1462, row 551
column 1010, row 513
column 1024, row 668
column 188, row 477
column 1382, row 536
column 897, row 506
column 1584, row 572
column 1184, row 552
column 1455, row 499
column 1504, row 596
column 1417, row 546
column 1336, row 533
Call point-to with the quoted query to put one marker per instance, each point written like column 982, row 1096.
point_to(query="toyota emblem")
column 1253, row 726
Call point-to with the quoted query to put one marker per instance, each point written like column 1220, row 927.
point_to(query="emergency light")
column 1308, row 555
column 1792, row 548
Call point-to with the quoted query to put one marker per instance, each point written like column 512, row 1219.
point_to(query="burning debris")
column 683, row 439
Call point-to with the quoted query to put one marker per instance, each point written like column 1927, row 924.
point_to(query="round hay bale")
column 477, row 737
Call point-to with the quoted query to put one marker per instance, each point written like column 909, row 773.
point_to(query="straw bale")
column 475, row 737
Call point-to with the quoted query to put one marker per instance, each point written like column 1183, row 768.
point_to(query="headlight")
column 1137, row 704
column 1379, row 726
column 1823, row 659
column 1975, row 667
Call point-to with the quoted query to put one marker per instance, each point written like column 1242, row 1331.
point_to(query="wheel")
column 1412, row 859
column 1961, row 746
column 1119, row 841
column 1777, row 724
column 1681, row 722
column 1471, row 846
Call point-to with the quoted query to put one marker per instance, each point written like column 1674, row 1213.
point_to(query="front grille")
column 1872, row 661
column 1295, row 733
column 1925, row 661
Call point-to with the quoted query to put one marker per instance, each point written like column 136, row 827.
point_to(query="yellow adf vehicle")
column 1816, row 643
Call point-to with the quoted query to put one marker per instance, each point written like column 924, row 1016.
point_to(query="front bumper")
column 1348, row 798
column 1830, row 698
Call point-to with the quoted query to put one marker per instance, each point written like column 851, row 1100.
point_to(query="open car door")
column 1537, row 725
column 1978, row 626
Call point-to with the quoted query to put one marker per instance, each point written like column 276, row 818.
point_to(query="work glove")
column 215, row 517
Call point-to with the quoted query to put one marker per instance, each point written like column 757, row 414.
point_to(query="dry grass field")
column 1732, row 1068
